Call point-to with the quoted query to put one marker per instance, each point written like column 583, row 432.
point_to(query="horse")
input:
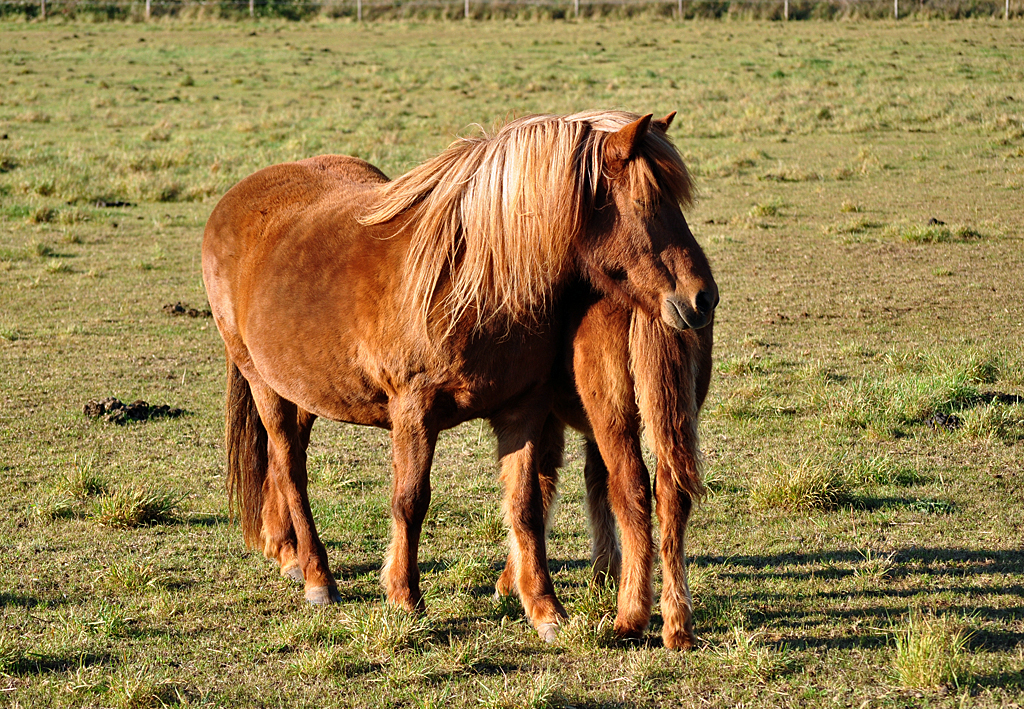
column 420, row 303
column 622, row 367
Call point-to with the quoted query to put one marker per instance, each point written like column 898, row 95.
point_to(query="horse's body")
column 418, row 304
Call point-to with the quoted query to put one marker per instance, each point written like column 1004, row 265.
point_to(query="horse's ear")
column 664, row 123
column 624, row 144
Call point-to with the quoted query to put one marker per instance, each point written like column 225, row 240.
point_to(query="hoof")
column 322, row 595
column 293, row 572
column 629, row 632
column 679, row 641
column 548, row 632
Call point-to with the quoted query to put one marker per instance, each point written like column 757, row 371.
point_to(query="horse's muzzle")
column 682, row 316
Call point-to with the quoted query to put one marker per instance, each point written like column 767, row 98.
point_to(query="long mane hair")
column 497, row 215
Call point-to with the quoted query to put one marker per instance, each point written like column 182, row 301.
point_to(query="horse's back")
column 274, row 204
column 284, row 191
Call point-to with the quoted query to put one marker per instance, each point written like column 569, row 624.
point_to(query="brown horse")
column 623, row 367
column 417, row 304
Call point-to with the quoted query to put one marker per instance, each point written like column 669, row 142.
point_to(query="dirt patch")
column 180, row 308
column 114, row 410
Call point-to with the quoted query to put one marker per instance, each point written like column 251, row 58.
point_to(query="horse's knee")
column 409, row 504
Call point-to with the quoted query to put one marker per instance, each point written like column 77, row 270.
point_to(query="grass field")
column 863, row 543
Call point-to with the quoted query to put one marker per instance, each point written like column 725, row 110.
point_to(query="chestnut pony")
column 420, row 303
column 623, row 367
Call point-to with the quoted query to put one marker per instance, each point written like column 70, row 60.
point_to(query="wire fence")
column 369, row 10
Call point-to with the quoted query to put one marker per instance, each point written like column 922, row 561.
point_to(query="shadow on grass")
column 1000, row 680
column 967, row 575
column 970, row 561
column 13, row 599
column 924, row 505
column 32, row 663
column 206, row 520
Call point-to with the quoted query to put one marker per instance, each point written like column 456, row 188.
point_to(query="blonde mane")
column 497, row 215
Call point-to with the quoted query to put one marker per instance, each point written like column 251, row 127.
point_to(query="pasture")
column 862, row 202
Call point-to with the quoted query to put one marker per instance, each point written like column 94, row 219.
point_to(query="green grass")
column 137, row 507
column 807, row 485
column 930, row 652
column 846, row 323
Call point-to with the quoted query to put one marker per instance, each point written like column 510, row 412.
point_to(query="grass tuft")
column 42, row 215
column 83, row 482
column 811, row 484
column 930, row 652
column 859, row 225
column 771, row 208
column 380, row 632
column 56, row 504
column 138, row 507
column 131, row 577
column 994, row 421
column 881, row 470
column 592, row 618
column 749, row 657
column 55, row 265
column 875, row 566
column 932, row 233
column 467, row 574
column 539, row 693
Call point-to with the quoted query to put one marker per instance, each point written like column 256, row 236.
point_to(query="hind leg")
column 524, row 440
column 296, row 544
column 279, row 540
column 605, row 556
column 550, row 448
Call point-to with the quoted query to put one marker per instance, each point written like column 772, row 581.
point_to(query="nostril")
column 704, row 302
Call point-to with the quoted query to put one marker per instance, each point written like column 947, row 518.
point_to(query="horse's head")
column 638, row 246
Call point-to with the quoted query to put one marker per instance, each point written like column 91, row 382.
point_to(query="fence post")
column 576, row 4
column 43, row 11
column 147, row 10
column 359, row 10
column 680, row 10
column 896, row 9
column 466, row 9
column 252, row 8
column 785, row 10
column 1006, row 10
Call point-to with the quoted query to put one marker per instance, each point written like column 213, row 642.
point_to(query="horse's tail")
column 670, row 371
column 246, row 442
